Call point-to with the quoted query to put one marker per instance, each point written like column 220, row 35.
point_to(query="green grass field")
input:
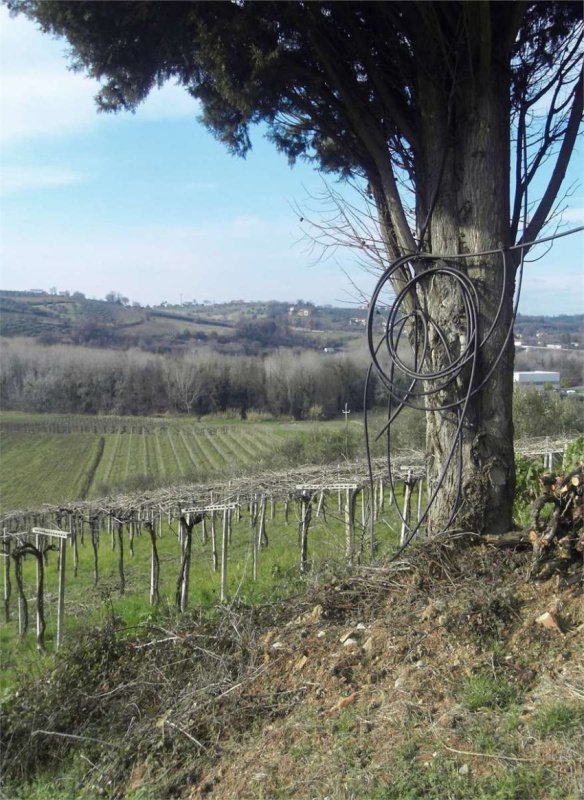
column 87, row 602
column 54, row 458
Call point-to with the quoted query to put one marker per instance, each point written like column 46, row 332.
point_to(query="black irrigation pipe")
column 418, row 267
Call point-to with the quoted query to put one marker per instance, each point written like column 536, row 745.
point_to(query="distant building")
column 538, row 379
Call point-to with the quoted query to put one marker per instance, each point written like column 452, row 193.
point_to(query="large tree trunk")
column 468, row 158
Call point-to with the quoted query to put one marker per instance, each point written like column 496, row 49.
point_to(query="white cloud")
column 232, row 258
column 18, row 178
column 51, row 102
column 40, row 97
column 573, row 214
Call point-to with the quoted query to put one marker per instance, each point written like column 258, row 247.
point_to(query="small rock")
column 548, row 620
column 350, row 643
column 361, row 626
column 464, row 770
column 342, row 703
column 321, row 634
column 278, row 646
column 300, row 663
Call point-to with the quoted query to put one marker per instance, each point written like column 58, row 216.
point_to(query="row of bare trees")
column 66, row 379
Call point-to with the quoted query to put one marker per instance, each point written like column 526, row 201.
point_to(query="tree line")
column 82, row 380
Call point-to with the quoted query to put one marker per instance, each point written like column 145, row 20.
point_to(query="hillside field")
column 50, row 458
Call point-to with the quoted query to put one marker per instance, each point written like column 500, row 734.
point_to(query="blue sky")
column 151, row 206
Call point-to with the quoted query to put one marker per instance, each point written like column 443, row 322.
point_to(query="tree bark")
column 465, row 156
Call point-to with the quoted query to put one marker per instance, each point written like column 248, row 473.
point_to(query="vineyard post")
column 22, row 602
column 408, row 483
column 373, row 539
column 320, row 503
column 154, row 566
column 94, row 531
column 120, row 531
column 224, row 545
column 286, row 508
column 39, row 586
column 381, row 495
column 74, row 545
column 262, row 535
column 214, row 542
column 61, row 599
column 7, row 585
column 204, row 531
column 350, row 526
column 254, row 547
column 186, row 528
column 272, row 509
column 420, row 496
column 238, row 510
column 305, row 516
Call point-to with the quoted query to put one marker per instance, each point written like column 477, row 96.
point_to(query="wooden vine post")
column 61, row 600
column 6, row 571
column 94, row 532
column 186, row 530
column 224, row 547
column 40, row 586
column 305, row 517
column 214, row 543
column 420, row 497
column 154, row 565
column 62, row 537
column 262, row 535
column 350, row 525
column 120, row 532
column 22, row 601
column 409, row 484
column 212, row 509
column 254, row 544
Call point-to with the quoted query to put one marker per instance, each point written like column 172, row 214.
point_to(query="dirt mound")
column 430, row 680
column 446, row 675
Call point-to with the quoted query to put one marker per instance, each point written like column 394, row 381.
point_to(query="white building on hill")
column 537, row 378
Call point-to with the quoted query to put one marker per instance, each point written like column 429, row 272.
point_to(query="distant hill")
column 237, row 326
column 71, row 318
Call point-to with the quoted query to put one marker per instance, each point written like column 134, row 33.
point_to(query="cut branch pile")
column 556, row 531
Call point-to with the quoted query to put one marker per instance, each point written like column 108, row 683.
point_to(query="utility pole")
column 346, row 412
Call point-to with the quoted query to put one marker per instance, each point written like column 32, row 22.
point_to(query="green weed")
column 559, row 717
column 485, row 690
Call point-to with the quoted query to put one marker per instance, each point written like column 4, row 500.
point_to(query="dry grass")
column 428, row 678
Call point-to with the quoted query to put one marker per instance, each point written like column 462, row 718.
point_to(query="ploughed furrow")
column 259, row 442
column 93, row 468
column 112, row 447
column 174, row 449
column 229, row 445
column 213, row 450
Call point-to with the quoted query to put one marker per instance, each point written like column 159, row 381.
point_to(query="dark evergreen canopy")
column 434, row 105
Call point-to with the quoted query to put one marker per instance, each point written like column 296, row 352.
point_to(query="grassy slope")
column 449, row 689
column 40, row 465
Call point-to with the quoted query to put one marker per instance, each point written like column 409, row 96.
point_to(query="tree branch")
column 540, row 216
